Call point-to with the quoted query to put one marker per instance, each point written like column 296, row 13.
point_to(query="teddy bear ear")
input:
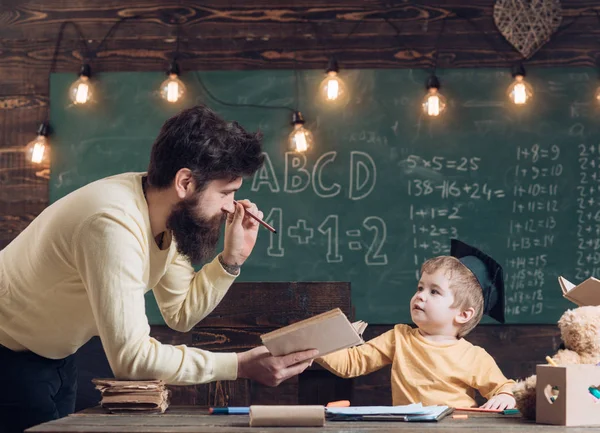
column 566, row 318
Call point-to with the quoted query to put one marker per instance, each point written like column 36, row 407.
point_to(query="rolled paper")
column 287, row 416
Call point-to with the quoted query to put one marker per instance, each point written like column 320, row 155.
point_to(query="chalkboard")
column 384, row 187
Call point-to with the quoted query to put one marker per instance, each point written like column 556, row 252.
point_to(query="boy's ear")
column 464, row 316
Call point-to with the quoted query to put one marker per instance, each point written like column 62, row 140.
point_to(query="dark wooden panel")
column 275, row 304
column 318, row 386
column 219, row 19
column 269, row 35
column 462, row 51
column 226, row 339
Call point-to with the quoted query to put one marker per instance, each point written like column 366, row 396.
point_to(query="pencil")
column 264, row 224
column 551, row 362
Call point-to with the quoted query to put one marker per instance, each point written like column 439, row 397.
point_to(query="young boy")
column 433, row 364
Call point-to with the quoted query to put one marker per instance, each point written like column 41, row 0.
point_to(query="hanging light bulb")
column 172, row 89
column 300, row 139
column 519, row 91
column 598, row 94
column 434, row 102
column 37, row 149
column 332, row 90
column 81, row 90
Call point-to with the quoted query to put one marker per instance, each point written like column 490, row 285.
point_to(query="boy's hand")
column 501, row 402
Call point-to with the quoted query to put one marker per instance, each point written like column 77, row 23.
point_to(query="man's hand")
column 501, row 402
column 259, row 365
column 241, row 231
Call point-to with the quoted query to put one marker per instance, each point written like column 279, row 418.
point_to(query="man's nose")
column 229, row 207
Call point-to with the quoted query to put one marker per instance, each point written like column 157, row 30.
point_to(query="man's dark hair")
column 212, row 148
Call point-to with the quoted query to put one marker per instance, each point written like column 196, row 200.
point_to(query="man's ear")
column 184, row 183
column 464, row 316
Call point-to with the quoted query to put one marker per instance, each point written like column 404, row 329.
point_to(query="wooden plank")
column 36, row 20
column 319, row 386
column 240, row 36
column 376, row 51
column 268, row 304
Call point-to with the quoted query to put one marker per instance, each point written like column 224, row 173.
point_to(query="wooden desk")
column 195, row 419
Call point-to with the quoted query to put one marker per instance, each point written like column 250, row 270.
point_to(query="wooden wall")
column 239, row 34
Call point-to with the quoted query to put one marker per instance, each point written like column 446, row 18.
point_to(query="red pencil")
column 267, row 226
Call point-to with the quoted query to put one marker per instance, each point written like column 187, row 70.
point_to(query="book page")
column 360, row 327
column 586, row 293
column 565, row 284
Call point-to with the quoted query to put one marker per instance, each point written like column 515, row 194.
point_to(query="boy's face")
column 430, row 307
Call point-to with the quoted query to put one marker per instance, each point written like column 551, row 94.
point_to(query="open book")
column 586, row 293
column 326, row 332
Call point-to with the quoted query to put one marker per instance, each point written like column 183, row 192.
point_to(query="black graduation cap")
column 489, row 274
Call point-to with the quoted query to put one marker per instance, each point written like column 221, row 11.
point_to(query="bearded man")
column 82, row 267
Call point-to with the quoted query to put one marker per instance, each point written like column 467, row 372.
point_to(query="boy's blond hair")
column 464, row 285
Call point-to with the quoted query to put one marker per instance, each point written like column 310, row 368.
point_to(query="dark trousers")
column 34, row 389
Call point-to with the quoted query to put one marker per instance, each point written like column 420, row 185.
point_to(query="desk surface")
column 195, row 419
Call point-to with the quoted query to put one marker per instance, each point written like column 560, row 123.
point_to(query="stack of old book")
column 122, row 396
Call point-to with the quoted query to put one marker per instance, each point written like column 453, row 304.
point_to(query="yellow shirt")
column 81, row 269
column 428, row 372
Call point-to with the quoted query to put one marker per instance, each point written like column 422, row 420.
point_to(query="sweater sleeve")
column 361, row 360
column 487, row 377
column 109, row 252
column 185, row 297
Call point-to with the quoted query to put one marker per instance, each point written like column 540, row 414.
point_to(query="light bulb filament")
column 333, row 89
column 81, row 95
column 519, row 93
column 172, row 91
column 300, row 140
column 37, row 156
column 433, row 105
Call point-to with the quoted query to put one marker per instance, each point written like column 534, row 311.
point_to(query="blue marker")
column 229, row 410
column 594, row 391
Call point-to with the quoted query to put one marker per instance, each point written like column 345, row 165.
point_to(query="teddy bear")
column 580, row 333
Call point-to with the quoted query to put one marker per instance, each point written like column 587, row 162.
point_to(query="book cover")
column 327, row 332
column 583, row 294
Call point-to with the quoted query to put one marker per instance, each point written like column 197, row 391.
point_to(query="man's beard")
column 196, row 236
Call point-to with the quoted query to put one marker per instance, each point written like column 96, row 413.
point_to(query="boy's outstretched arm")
column 360, row 360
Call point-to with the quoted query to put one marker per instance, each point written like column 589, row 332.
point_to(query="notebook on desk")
column 412, row 412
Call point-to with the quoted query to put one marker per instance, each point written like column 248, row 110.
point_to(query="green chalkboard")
column 384, row 188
